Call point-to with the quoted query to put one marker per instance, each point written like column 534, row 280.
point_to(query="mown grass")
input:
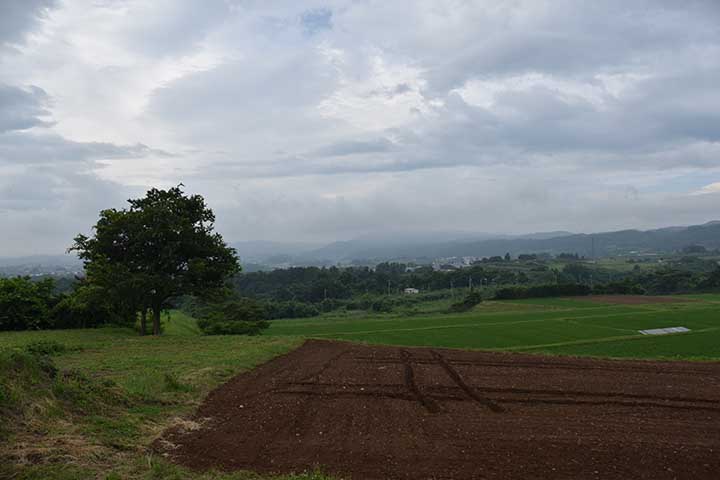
column 112, row 394
column 554, row 325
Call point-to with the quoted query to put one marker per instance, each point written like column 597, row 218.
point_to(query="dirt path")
column 415, row 413
column 634, row 299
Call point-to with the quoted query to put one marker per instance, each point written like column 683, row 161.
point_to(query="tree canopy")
column 162, row 246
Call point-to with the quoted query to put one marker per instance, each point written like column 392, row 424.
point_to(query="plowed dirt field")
column 365, row 412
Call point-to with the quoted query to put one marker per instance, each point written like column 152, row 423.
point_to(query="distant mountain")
column 424, row 247
column 261, row 250
column 661, row 240
column 389, row 244
column 544, row 235
column 412, row 246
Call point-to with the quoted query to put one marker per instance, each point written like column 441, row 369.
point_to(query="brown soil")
column 367, row 412
column 632, row 299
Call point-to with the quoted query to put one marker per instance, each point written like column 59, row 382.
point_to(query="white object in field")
column 664, row 331
column 412, row 291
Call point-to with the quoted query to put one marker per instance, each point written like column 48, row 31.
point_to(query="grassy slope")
column 556, row 326
column 73, row 428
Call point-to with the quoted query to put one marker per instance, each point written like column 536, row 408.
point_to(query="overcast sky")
column 322, row 120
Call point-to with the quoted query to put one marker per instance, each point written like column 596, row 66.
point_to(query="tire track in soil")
column 431, row 405
column 343, row 394
column 315, row 377
column 457, row 378
column 630, row 398
column 300, row 422
column 514, row 364
column 602, row 403
column 525, row 391
column 712, row 404
column 447, row 394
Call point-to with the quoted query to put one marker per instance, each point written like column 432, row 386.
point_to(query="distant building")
column 411, row 291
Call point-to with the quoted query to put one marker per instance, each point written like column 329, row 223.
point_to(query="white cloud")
column 713, row 188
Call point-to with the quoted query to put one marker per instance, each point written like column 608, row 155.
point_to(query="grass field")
column 75, row 428
column 98, row 420
column 555, row 326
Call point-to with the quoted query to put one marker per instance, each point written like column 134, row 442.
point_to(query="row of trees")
column 315, row 285
column 35, row 305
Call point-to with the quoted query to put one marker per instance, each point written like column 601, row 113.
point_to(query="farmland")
column 138, row 387
column 380, row 412
column 552, row 326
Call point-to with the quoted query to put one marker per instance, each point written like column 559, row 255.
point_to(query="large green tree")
column 162, row 246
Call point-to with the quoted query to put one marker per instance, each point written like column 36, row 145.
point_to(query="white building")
column 411, row 291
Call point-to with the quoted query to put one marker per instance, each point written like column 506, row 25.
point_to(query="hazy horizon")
column 424, row 237
column 317, row 121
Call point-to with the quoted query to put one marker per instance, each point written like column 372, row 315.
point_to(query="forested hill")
column 600, row 244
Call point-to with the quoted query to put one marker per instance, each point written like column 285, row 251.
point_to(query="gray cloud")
column 316, row 20
column 47, row 208
column 355, row 147
column 44, row 148
column 17, row 17
column 21, row 109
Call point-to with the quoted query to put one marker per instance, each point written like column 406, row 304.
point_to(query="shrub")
column 24, row 304
column 711, row 281
column 382, row 305
column 244, row 316
column 45, row 347
column 86, row 307
column 471, row 299
column 620, row 288
column 292, row 309
column 215, row 327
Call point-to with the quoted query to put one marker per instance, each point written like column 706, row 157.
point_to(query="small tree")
column 161, row 247
column 24, row 304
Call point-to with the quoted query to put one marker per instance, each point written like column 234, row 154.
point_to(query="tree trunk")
column 156, row 320
column 143, row 321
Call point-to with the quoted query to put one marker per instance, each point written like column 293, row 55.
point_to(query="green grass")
column 554, row 325
column 121, row 391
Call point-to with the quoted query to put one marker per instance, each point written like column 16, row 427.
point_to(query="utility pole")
column 470, row 283
column 452, row 292
column 388, row 287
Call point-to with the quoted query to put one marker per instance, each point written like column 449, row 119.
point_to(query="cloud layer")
column 324, row 120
